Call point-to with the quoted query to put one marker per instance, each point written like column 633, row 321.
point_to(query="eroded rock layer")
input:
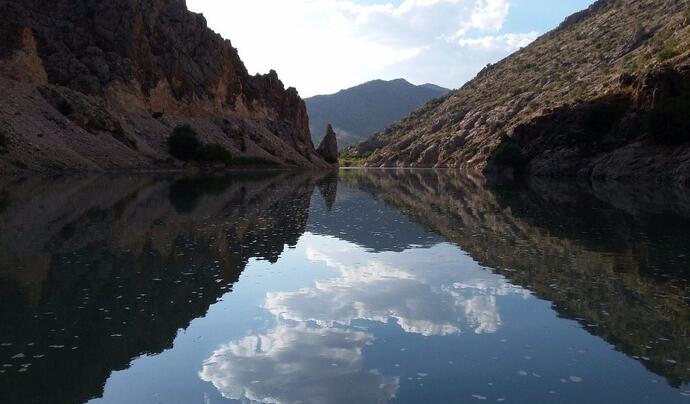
column 101, row 85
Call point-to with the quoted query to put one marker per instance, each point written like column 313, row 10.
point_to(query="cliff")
column 94, row 85
column 604, row 96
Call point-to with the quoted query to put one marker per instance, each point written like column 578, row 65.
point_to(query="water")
column 376, row 286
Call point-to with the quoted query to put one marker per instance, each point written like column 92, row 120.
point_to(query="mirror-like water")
column 366, row 286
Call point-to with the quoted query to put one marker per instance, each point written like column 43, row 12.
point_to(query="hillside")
column 358, row 112
column 93, row 85
column 604, row 96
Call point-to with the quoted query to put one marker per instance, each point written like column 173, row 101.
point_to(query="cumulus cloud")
column 321, row 46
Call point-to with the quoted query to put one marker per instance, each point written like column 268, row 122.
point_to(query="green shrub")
column 669, row 123
column 666, row 46
column 516, row 91
column 184, row 143
column 668, row 52
column 213, row 153
column 252, row 161
column 4, row 139
column 508, row 154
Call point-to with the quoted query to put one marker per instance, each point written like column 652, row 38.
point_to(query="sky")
column 322, row 46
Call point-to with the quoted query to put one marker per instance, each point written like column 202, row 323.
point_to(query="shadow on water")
column 96, row 271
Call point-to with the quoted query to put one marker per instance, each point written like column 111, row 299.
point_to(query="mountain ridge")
column 360, row 111
column 602, row 97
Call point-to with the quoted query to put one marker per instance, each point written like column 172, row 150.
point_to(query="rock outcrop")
column 604, row 96
column 328, row 149
column 94, row 85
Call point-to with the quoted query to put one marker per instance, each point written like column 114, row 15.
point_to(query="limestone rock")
column 136, row 60
column 328, row 149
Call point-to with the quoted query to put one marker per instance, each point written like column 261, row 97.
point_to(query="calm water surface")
column 362, row 287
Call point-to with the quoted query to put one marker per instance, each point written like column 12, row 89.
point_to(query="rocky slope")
column 94, row 85
column 606, row 95
column 358, row 112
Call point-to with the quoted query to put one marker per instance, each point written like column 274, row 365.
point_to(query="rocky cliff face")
column 101, row 85
column 606, row 95
column 328, row 148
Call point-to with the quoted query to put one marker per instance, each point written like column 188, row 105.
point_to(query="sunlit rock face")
column 102, row 84
column 298, row 363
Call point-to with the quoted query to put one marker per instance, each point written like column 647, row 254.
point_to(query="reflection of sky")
column 292, row 363
column 312, row 351
column 433, row 292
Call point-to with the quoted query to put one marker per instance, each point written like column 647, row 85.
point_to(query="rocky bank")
column 94, row 85
column 605, row 96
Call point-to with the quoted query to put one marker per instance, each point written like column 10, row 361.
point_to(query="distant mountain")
column 358, row 112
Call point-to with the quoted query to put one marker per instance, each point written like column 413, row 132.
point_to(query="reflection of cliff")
column 381, row 229
column 621, row 273
column 97, row 271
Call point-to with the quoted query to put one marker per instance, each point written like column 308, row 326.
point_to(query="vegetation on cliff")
column 602, row 96
column 94, row 85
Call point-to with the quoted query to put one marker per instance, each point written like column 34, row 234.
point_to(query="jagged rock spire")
column 328, row 149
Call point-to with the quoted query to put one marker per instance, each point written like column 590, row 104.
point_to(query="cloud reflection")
column 443, row 297
column 297, row 363
column 313, row 353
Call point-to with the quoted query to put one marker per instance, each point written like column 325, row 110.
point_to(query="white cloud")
column 501, row 43
column 321, row 46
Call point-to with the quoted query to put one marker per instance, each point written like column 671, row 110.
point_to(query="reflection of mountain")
column 97, row 271
column 351, row 214
column 621, row 273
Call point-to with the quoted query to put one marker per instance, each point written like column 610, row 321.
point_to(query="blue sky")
column 322, row 46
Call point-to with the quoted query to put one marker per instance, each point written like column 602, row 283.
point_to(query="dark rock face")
column 139, row 59
column 641, row 134
column 328, row 149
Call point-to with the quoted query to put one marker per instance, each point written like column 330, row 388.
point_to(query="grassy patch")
column 669, row 52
